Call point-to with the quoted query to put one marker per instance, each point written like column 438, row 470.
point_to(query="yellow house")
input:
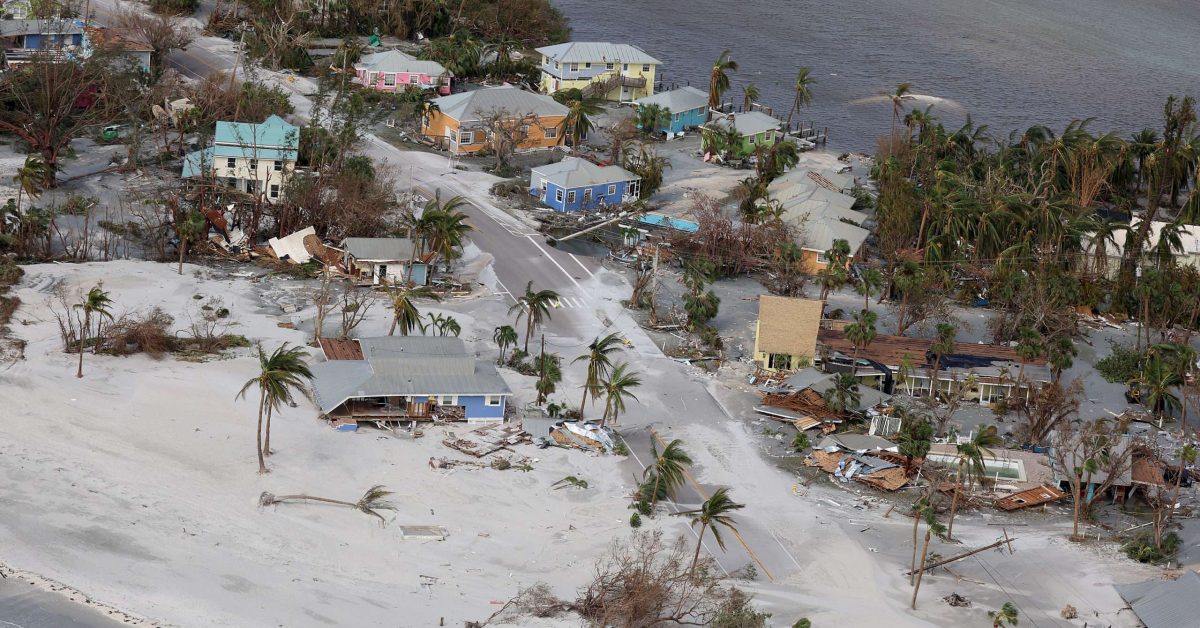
column 253, row 158
column 785, row 336
column 465, row 123
column 616, row 72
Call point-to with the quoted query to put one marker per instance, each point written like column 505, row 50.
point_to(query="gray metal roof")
column 516, row 102
column 596, row 51
column 379, row 249
column 677, row 100
column 12, row 28
column 1164, row 603
column 405, row 365
column 395, row 61
column 856, row 442
column 574, row 172
column 748, row 123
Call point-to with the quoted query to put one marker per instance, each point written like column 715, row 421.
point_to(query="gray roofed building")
column 477, row 104
column 856, row 442
column 574, row 172
column 13, row 28
column 593, row 51
column 748, row 123
column 394, row 61
column 678, row 100
column 1164, row 603
column 379, row 249
column 406, row 367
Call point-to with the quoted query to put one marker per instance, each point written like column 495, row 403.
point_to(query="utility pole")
column 542, row 369
column 233, row 74
column 654, row 288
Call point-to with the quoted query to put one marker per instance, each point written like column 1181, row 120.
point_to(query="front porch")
column 395, row 409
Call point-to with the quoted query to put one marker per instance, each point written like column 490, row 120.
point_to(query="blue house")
column 23, row 38
column 575, row 184
column 688, row 107
column 406, row 378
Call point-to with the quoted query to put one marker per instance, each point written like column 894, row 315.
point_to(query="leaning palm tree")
column 897, row 98
column 404, row 312
column 870, row 281
column 1006, row 616
column 280, row 376
column 803, row 93
column 29, row 178
column 370, row 503
column 578, row 120
column 535, row 306
column 619, row 386
column 598, row 366
column 718, row 80
column 971, row 465
column 95, row 303
column 504, row 336
column 750, row 95
column 1155, row 386
column 712, row 513
column 190, row 229
column 667, row 470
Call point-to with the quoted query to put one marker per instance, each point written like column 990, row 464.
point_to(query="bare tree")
column 1044, row 409
column 356, row 302
column 325, row 302
column 508, row 130
column 1092, row 456
column 163, row 33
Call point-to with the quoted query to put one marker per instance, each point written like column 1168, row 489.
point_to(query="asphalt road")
column 672, row 396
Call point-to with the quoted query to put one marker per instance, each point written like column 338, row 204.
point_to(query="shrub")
column 801, row 442
column 1122, row 365
column 1142, row 548
column 635, row 520
column 174, row 7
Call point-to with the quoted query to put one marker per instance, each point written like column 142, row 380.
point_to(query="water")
column 1010, row 63
column 23, row 606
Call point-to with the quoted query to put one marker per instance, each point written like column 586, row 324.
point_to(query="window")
column 557, row 66
column 274, row 190
column 493, row 400
column 253, row 165
column 372, row 77
column 821, row 259
column 550, row 133
column 389, row 79
column 779, row 361
column 231, row 182
column 677, row 117
column 414, row 79
column 587, row 65
column 574, row 67
column 645, row 68
column 447, row 400
column 466, row 137
column 624, row 67
column 612, row 189
column 571, row 197
column 587, row 196
column 558, row 195
column 278, row 166
column 231, row 163
column 610, row 66
column 251, row 186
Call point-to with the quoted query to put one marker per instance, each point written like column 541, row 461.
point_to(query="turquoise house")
column 252, row 158
column 575, row 184
column 688, row 107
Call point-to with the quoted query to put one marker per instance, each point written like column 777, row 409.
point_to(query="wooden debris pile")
column 884, row 470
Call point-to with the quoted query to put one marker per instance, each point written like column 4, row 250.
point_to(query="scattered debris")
column 1068, row 612
column 424, row 533
column 954, row 599
column 1032, row 497
column 586, row 436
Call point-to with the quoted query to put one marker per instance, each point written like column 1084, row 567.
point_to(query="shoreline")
column 68, row 593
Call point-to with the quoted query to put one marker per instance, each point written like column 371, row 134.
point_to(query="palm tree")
column 404, row 311
column 712, row 513
column 897, row 98
column 445, row 228
column 932, row 527
column 280, row 375
column 190, row 229
column 942, row 346
column 750, row 95
column 1006, row 616
column 651, row 118
column 1155, row 384
column 504, row 337
column 598, row 365
column 668, row 469
column 1029, row 346
column 370, row 503
column 534, row 306
column 843, row 397
column 971, row 465
column 718, row 80
column 862, row 331
column 803, row 92
column 870, row 281
column 619, row 385
column 577, row 121
column 95, row 303
column 29, row 178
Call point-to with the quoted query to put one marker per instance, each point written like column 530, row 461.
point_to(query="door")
column 587, row 198
column 381, row 274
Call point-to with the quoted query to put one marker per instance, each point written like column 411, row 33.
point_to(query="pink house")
column 395, row 71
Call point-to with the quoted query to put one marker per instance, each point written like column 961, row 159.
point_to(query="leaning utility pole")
column 654, row 288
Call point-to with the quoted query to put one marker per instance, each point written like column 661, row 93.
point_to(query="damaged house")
column 406, row 378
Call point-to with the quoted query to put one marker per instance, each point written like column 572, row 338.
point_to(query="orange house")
column 464, row 123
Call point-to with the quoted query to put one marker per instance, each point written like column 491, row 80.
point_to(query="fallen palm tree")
column 370, row 503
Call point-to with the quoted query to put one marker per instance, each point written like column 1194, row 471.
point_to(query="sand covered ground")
column 136, row 485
